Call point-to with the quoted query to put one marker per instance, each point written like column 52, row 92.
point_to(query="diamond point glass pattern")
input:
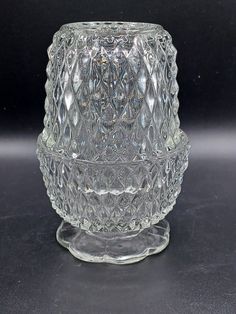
column 111, row 152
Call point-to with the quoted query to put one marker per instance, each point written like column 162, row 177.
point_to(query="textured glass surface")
column 111, row 152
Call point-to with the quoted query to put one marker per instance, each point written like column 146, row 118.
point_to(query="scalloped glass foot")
column 119, row 248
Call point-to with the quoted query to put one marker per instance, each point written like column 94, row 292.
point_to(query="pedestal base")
column 115, row 248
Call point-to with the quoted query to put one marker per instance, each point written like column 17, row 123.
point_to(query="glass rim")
column 136, row 27
column 183, row 145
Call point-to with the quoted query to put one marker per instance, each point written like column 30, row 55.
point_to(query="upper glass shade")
column 112, row 92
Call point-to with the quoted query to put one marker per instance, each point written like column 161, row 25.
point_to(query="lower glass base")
column 114, row 248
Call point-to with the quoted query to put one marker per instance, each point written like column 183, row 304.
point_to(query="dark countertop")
column 195, row 274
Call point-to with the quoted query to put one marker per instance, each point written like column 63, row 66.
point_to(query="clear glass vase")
column 112, row 153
